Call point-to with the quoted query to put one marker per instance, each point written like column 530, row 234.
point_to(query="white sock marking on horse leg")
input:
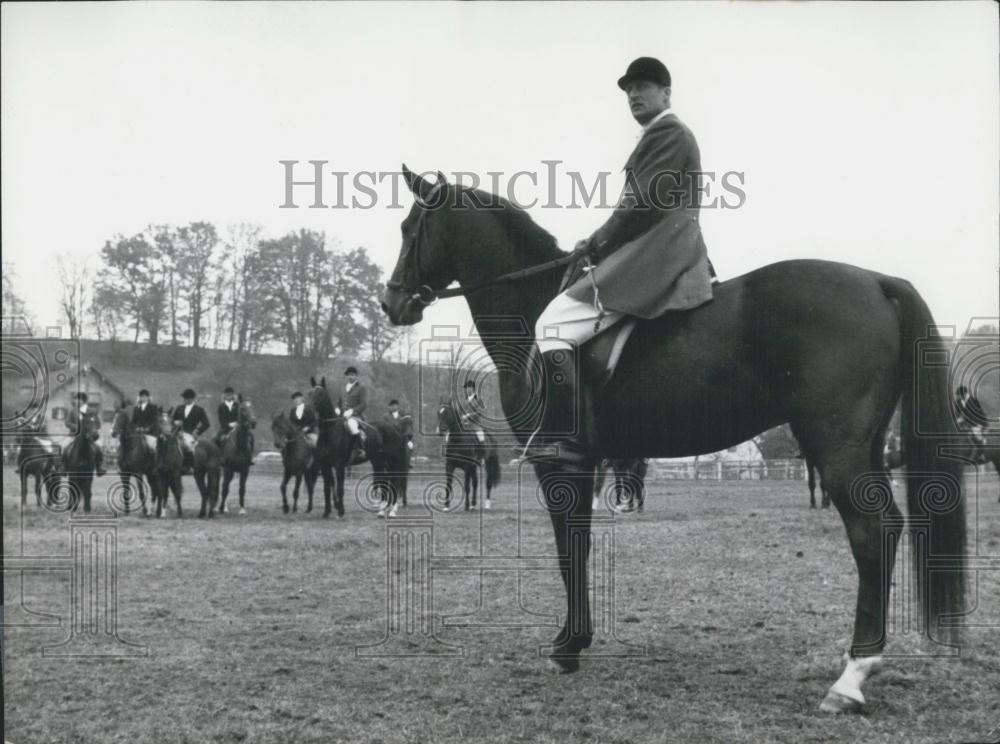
column 855, row 673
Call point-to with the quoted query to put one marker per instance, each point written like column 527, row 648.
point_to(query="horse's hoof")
column 285, row 508
column 563, row 663
column 201, row 515
column 242, row 511
column 834, row 702
column 326, row 515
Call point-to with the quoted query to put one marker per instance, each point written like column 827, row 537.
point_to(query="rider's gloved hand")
column 585, row 247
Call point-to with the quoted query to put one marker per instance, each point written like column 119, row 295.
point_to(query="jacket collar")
column 657, row 120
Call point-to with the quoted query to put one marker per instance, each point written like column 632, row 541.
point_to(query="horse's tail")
column 933, row 482
column 492, row 467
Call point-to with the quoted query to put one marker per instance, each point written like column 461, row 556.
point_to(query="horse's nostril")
column 385, row 308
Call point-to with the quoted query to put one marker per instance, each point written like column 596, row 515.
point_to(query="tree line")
column 187, row 285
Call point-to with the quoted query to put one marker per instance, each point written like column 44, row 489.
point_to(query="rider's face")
column 646, row 99
column 352, row 378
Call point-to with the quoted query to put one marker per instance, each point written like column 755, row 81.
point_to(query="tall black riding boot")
column 566, row 418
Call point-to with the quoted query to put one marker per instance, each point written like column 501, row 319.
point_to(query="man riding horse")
column 472, row 409
column 301, row 416
column 650, row 258
column 229, row 416
column 403, row 422
column 193, row 422
column 144, row 414
column 82, row 419
column 352, row 406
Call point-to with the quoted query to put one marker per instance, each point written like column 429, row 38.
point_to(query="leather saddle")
column 599, row 357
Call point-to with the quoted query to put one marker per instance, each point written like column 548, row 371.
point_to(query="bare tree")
column 197, row 243
column 75, row 291
column 12, row 306
column 239, row 281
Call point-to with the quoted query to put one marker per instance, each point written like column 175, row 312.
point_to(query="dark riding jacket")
column 75, row 422
column 307, row 422
column 355, row 399
column 145, row 418
column 651, row 254
column 471, row 411
column 195, row 423
column 227, row 416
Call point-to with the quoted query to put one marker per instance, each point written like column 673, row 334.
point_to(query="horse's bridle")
column 418, row 290
column 422, row 292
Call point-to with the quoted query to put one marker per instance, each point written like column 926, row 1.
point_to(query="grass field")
column 740, row 595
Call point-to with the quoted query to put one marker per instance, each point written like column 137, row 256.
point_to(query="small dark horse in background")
column 829, row 348
column 384, row 449
column 237, row 453
column 464, row 451
column 37, row 457
column 297, row 452
column 136, row 459
column 811, row 475
column 630, row 483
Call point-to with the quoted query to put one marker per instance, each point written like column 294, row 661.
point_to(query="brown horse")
column 826, row 347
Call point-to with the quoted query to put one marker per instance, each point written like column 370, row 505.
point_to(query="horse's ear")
column 322, row 381
column 312, row 381
column 410, row 178
column 239, row 397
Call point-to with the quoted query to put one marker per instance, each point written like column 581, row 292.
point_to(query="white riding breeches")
column 352, row 425
column 566, row 323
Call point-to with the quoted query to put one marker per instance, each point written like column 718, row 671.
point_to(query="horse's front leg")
column 568, row 496
column 295, row 494
column 199, row 480
column 284, row 484
column 449, row 476
column 176, row 487
column 312, row 472
column 327, row 489
column 340, row 491
column 243, row 488
column 227, row 477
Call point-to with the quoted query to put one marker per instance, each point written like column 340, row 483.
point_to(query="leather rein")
column 422, row 292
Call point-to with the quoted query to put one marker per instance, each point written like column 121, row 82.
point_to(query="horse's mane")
column 532, row 243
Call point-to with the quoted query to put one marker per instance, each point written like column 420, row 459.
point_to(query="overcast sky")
column 866, row 132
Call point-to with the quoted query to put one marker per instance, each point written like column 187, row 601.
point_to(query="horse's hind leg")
column 861, row 492
column 812, row 485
